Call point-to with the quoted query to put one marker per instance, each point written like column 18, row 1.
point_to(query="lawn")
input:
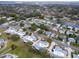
column 1, row 30
column 23, row 50
column 4, row 36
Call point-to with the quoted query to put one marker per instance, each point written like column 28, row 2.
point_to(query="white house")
column 62, row 31
column 48, row 33
column 9, row 18
column 71, row 39
column 76, row 29
column 8, row 55
column 55, row 29
column 53, row 35
column 58, row 25
column 28, row 38
column 75, row 56
column 69, row 32
column 20, row 33
column 70, row 27
column 41, row 45
column 11, row 30
column 59, row 52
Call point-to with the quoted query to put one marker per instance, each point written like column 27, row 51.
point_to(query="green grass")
column 4, row 36
column 74, row 44
column 23, row 50
column 1, row 30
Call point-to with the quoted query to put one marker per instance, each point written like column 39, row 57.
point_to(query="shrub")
column 14, row 37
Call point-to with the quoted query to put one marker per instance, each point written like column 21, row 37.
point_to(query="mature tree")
column 21, row 24
column 15, row 37
column 2, row 21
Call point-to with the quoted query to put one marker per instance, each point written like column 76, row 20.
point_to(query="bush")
column 40, row 31
column 2, row 21
column 33, row 27
column 14, row 37
column 21, row 24
column 74, row 44
column 42, row 26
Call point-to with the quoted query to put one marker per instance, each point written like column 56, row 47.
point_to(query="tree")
column 33, row 27
column 76, row 40
column 40, row 31
column 13, row 47
column 2, row 21
column 21, row 24
column 42, row 26
column 41, row 17
column 14, row 37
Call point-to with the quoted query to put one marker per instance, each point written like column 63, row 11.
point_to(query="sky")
column 39, row 0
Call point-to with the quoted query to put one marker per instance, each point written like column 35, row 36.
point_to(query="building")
column 41, row 45
column 20, row 33
column 58, row 52
column 11, row 30
column 75, row 56
column 29, row 38
column 71, row 39
column 8, row 55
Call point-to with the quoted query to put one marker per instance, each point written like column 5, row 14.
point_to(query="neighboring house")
column 58, row 25
column 75, row 56
column 76, row 29
column 41, row 45
column 29, row 38
column 69, row 32
column 20, row 33
column 8, row 55
column 53, row 35
column 71, row 39
column 48, row 33
column 9, row 18
column 70, row 27
column 11, row 30
column 62, row 31
column 58, row 52
column 4, row 26
column 55, row 29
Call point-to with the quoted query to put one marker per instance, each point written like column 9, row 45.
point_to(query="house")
column 62, row 31
column 53, row 35
column 8, row 55
column 11, row 30
column 75, row 56
column 70, row 27
column 69, row 32
column 29, row 38
column 4, row 26
column 71, row 39
column 58, row 25
column 48, row 33
column 42, row 44
column 76, row 29
column 58, row 52
column 20, row 33
column 9, row 18
column 55, row 29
